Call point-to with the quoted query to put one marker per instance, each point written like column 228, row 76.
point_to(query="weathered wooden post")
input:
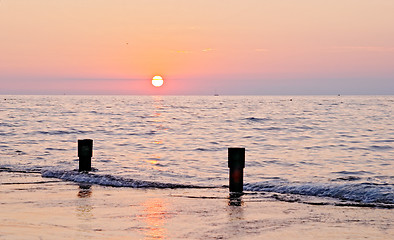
column 236, row 163
column 85, row 153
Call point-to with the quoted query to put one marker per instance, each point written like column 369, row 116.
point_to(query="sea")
column 315, row 149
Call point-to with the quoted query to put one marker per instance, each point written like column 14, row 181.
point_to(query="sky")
column 248, row 47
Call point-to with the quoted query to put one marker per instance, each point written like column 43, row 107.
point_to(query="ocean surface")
column 336, row 149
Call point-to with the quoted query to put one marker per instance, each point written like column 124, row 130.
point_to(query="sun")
column 157, row 81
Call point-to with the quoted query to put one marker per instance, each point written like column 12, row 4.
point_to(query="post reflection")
column 84, row 207
column 85, row 191
column 235, row 199
column 155, row 215
column 235, row 212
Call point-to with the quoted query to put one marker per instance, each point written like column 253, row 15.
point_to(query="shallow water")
column 340, row 147
column 33, row 207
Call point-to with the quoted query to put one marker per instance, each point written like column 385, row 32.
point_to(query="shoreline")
column 35, row 207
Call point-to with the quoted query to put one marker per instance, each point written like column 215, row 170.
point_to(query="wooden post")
column 236, row 163
column 85, row 153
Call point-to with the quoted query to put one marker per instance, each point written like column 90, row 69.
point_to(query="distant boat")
column 216, row 95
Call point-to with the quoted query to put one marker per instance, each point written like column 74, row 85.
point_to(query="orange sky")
column 233, row 47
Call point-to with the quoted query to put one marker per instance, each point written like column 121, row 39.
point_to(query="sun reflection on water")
column 155, row 216
column 158, row 126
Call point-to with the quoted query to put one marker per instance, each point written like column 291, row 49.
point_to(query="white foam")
column 358, row 192
column 107, row 180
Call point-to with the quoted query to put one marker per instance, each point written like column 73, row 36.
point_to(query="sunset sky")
column 199, row 47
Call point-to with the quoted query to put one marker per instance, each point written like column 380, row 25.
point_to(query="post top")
column 236, row 158
column 85, row 148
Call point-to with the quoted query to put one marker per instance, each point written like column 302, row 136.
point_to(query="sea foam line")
column 360, row 192
column 109, row 180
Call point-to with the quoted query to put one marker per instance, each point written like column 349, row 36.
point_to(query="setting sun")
column 157, row 81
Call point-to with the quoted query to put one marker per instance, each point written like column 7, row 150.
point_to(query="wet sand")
column 32, row 207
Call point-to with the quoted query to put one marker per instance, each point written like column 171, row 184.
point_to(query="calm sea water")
column 340, row 147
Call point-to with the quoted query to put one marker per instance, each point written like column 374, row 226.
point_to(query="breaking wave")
column 108, row 180
column 365, row 193
column 342, row 194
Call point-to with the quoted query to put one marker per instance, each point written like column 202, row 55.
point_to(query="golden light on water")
column 155, row 215
column 157, row 81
